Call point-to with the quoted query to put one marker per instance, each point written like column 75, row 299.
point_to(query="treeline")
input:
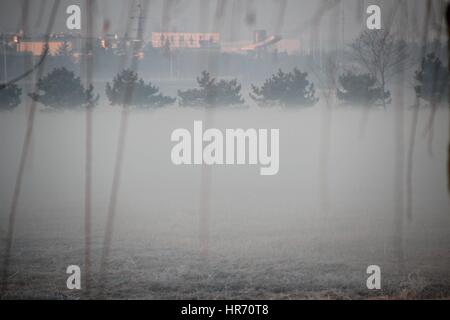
column 158, row 62
column 376, row 60
column 169, row 63
column 61, row 89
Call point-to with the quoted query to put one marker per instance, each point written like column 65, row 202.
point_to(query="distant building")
column 110, row 41
column 289, row 46
column 36, row 48
column 259, row 36
column 185, row 40
column 36, row 44
column 260, row 43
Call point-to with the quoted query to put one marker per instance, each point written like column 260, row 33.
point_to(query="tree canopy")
column 381, row 54
column 9, row 96
column 62, row 89
column 432, row 80
column 360, row 89
column 286, row 89
column 128, row 90
column 212, row 93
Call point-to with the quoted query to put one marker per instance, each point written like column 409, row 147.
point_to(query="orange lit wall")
column 182, row 39
column 37, row 47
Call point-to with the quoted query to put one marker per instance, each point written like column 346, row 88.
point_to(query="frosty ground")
column 286, row 236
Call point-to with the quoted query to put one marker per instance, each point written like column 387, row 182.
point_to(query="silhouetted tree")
column 287, row 89
column 9, row 96
column 432, row 80
column 128, row 90
column 64, row 49
column 62, row 58
column 166, row 49
column 360, row 89
column 381, row 55
column 212, row 93
column 61, row 89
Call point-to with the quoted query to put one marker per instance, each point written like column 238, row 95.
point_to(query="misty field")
column 308, row 232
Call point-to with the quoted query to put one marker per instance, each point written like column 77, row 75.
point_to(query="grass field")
column 307, row 233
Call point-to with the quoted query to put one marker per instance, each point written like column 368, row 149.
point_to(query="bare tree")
column 381, row 54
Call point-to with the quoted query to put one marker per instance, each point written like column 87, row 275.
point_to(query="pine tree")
column 360, row 89
column 432, row 80
column 128, row 90
column 291, row 89
column 62, row 89
column 212, row 93
column 9, row 96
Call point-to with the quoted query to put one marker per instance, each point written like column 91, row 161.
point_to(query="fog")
column 340, row 202
column 262, row 233
column 291, row 19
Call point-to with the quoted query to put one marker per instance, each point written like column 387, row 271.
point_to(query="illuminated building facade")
column 185, row 40
column 37, row 47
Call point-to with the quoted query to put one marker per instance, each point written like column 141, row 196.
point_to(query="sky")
column 234, row 19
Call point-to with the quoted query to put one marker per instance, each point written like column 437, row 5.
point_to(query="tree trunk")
column 448, row 36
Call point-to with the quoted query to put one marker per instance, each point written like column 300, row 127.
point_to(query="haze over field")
column 267, row 234
column 87, row 178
